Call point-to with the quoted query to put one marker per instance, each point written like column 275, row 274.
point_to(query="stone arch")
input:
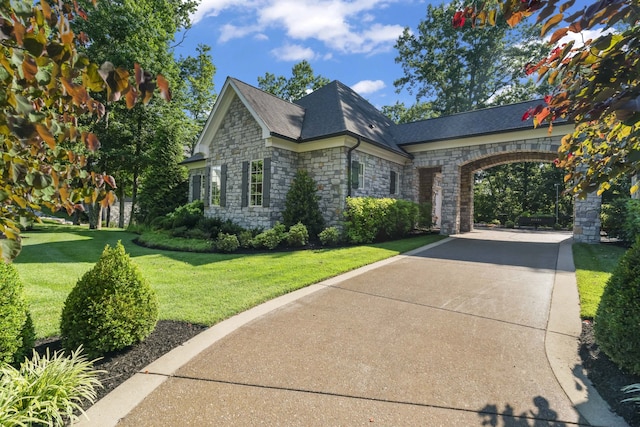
column 468, row 169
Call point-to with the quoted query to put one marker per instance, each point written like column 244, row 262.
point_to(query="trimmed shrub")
column 369, row 219
column 187, row 215
column 617, row 320
column 330, row 236
column 271, row 238
column 16, row 329
column 301, row 204
column 244, row 238
column 111, row 307
column 510, row 224
column 612, row 217
column 227, row 243
column 298, row 235
column 425, row 219
column 210, row 226
column 46, row 390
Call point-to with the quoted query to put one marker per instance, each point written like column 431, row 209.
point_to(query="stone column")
column 466, row 200
column 586, row 219
column 450, row 199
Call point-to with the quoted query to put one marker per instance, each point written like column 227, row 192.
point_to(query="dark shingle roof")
column 336, row 109
column 491, row 120
column 281, row 117
column 195, row 158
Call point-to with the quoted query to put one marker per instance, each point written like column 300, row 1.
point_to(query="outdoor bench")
column 535, row 221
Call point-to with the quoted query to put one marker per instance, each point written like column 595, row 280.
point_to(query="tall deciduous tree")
column 199, row 96
column 122, row 32
column 596, row 83
column 459, row 71
column 302, row 81
column 45, row 90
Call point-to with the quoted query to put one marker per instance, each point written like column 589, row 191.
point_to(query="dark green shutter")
column 266, row 182
column 392, row 183
column 207, row 187
column 244, row 197
column 355, row 173
column 223, row 186
column 195, row 187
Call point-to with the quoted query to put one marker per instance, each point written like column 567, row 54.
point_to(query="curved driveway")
column 453, row 335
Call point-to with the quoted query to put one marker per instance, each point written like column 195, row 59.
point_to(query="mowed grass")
column 202, row 288
column 594, row 265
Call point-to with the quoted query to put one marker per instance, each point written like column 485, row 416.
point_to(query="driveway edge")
column 561, row 343
column 118, row 403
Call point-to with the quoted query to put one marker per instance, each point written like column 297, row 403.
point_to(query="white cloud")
column 293, row 52
column 582, row 36
column 346, row 26
column 366, row 87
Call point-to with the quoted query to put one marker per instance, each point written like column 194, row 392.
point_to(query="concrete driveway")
column 457, row 334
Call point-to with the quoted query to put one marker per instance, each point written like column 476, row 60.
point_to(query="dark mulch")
column 604, row 374
column 121, row 365
column 607, row 377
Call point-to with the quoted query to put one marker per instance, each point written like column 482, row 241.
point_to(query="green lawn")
column 200, row 288
column 594, row 264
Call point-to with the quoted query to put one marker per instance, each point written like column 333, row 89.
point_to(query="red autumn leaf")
column 458, row 19
column 526, row 115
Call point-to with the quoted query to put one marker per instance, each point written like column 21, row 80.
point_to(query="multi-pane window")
column 216, row 178
column 361, row 175
column 256, row 182
column 394, row 185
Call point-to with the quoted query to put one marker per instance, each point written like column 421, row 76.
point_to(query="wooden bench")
column 535, row 221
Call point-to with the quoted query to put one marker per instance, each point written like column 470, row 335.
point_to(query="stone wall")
column 377, row 176
column 586, row 219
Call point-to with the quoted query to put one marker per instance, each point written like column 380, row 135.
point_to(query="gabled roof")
column 492, row 120
column 282, row 118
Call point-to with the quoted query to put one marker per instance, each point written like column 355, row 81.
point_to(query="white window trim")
column 216, row 181
column 250, row 193
column 361, row 173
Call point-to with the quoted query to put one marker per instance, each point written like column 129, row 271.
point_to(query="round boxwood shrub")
column 617, row 321
column 227, row 243
column 111, row 307
column 16, row 329
column 297, row 235
column 330, row 236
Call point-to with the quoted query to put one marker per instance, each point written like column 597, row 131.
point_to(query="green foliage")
column 46, row 390
column 510, row 224
column 369, row 219
column 270, row 239
column 244, row 239
column 111, row 307
column 612, row 217
column 301, row 82
column 227, row 243
column 631, row 224
column 16, row 329
column 617, row 321
column 425, row 219
column 459, row 71
column 298, row 235
column 330, row 236
column 301, row 204
column 632, row 389
column 187, row 215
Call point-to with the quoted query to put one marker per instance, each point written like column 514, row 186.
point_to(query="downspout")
column 349, row 166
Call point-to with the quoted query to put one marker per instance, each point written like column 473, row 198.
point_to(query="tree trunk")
column 94, row 211
column 121, row 207
column 136, row 168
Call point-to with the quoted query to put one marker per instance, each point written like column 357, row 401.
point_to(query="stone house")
column 253, row 143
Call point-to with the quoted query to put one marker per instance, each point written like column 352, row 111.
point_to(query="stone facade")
column 586, row 219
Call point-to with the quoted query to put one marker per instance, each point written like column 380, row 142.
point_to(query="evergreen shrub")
column 301, row 204
column 298, row 235
column 227, row 243
column 111, row 307
column 369, row 219
column 330, row 236
column 17, row 333
column 617, row 320
column 631, row 226
column 270, row 239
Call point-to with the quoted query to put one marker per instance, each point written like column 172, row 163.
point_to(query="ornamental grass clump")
column 111, row 307
column 46, row 390
column 17, row 333
column 617, row 320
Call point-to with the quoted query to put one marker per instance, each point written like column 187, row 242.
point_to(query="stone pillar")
column 466, row 200
column 586, row 219
column 450, row 199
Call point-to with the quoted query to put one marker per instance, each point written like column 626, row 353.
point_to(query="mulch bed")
column 604, row 374
column 607, row 378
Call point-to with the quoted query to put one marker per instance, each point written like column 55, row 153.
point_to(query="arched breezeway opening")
column 467, row 172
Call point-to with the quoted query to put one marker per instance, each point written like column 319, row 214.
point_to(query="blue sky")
column 347, row 40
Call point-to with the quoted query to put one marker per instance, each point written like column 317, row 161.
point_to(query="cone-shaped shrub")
column 110, row 308
column 617, row 321
column 16, row 329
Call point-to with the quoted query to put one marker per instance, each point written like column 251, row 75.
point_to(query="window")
column 394, row 183
column 216, row 181
column 196, row 187
column 255, row 183
column 361, row 174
